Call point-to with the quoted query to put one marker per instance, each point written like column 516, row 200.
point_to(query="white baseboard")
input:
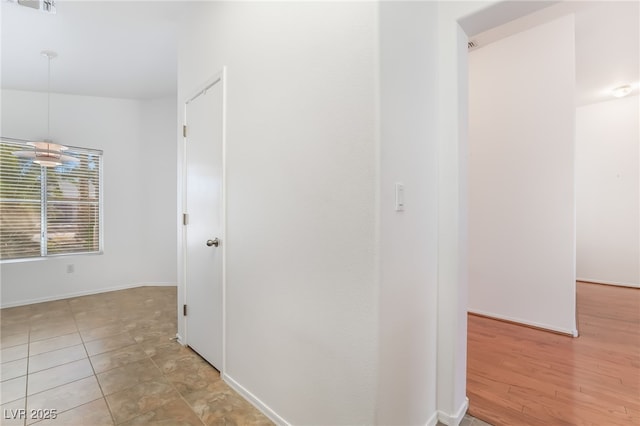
column 158, row 284
column 83, row 293
column 588, row 280
column 255, row 401
column 567, row 331
column 433, row 420
column 454, row 419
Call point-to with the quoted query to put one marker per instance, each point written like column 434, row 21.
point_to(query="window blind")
column 49, row 210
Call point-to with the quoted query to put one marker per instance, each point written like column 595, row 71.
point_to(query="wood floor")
column 522, row 376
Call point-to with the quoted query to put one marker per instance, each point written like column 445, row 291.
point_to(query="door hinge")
column 184, row 131
column 185, row 219
column 184, row 310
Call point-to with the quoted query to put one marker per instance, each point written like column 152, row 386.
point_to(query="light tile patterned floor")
column 469, row 421
column 472, row 421
column 109, row 359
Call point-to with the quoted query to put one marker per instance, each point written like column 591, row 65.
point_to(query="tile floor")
column 468, row 420
column 108, row 359
column 472, row 421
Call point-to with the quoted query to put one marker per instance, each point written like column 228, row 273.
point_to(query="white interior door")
column 203, row 232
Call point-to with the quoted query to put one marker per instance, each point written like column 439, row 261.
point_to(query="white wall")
column 120, row 128
column 607, row 192
column 453, row 206
column 284, row 86
column 408, row 240
column 158, row 189
column 301, row 244
column 521, row 177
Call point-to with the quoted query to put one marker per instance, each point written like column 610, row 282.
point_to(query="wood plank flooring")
column 522, row 376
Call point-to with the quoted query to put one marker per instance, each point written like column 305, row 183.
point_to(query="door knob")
column 215, row 242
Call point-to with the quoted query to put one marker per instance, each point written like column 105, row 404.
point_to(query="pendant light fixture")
column 45, row 152
column 622, row 91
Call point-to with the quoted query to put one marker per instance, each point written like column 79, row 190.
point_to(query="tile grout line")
column 85, row 341
column 72, row 408
column 136, row 343
column 55, row 366
column 26, row 385
column 64, row 384
column 145, row 353
column 168, row 381
column 104, row 398
column 171, row 339
column 56, row 337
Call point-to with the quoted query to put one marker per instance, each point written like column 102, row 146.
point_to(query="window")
column 46, row 211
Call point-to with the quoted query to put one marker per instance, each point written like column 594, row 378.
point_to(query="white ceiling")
column 607, row 49
column 607, row 43
column 105, row 48
column 127, row 49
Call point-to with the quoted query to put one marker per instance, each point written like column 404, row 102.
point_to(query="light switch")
column 399, row 197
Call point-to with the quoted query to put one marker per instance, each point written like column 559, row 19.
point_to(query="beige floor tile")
column 13, row 389
column 13, row 413
column 151, row 339
column 81, row 306
column 10, row 327
column 60, row 375
column 51, row 319
column 49, row 330
column 67, row 396
column 191, row 374
column 137, row 400
column 143, row 371
column 18, row 312
column 96, row 318
column 94, row 413
column 13, row 369
column 92, row 323
column 121, row 378
column 167, row 356
column 9, row 340
column 176, row 412
column 50, row 307
column 13, row 353
column 101, row 332
column 93, row 310
column 478, row 422
column 220, row 405
column 466, row 421
column 52, row 344
column 162, row 328
column 117, row 358
column 107, row 344
column 54, row 358
column 144, row 323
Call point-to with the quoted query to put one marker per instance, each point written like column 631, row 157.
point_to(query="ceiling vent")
column 472, row 44
column 47, row 6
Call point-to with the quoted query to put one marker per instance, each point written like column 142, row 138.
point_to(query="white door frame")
column 217, row 78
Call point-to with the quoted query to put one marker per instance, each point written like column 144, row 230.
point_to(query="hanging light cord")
column 48, row 97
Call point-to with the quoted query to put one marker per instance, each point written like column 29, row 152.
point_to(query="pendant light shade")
column 45, row 152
